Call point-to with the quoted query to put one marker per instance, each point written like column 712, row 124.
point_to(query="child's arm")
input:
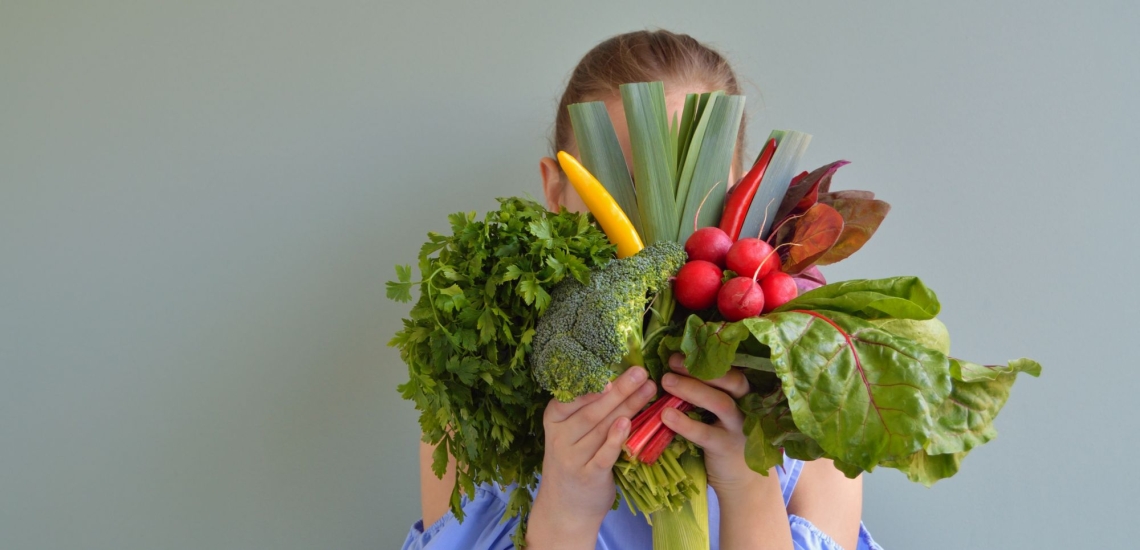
column 830, row 501
column 435, row 493
column 583, row 441
column 752, row 513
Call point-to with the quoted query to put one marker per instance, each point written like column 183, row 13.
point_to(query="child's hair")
column 643, row 56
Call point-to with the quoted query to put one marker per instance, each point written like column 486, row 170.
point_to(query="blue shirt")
column 483, row 528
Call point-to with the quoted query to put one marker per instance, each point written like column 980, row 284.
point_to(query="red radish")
column 696, row 284
column 740, row 298
column 746, row 255
column 779, row 288
column 709, row 244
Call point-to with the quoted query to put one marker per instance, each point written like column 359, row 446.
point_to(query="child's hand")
column 752, row 513
column 583, row 441
column 723, row 440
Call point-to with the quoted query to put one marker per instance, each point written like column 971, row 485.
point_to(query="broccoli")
column 591, row 330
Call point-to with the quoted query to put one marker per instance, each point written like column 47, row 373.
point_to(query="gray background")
column 201, row 202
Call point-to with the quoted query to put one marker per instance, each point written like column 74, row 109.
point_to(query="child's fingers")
column 557, row 411
column 628, row 409
column 733, row 383
column 702, row 434
column 677, row 364
column 706, row 397
column 609, row 452
column 592, row 414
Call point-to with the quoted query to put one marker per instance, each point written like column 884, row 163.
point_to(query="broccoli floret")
column 591, row 330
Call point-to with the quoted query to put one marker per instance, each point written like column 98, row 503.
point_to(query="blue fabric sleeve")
column 482, row 526
column 806, row 536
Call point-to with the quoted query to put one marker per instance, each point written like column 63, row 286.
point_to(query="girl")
column 801, row 505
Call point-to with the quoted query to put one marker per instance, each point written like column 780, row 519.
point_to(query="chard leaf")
column 862, row 394
column 753, row 362
column 966, row 371
column 766, row 420
column 710, row 347
column 922, row 467
column 965, row 420
column 931, row 333
column 861, row 218
column 897, row 297
column 816, row 232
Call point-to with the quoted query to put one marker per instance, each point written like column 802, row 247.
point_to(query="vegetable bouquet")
column 529, row 304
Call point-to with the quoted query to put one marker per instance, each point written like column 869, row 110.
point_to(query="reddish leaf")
column 783, row 233
column 809, row 199
column 833, row 196
column 804, row 190
column 816, row 232
column 861, row 217
column 809, row 279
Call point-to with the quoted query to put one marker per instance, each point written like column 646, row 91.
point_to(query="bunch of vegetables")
column 530, row 304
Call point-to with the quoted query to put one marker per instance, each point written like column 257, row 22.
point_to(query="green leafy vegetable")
column 855, row 385
column 862, row 394
column 467, row 338
column 895, row 297
column 965, row 419
column 930, row 333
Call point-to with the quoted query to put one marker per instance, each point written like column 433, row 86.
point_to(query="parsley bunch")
column 467, row 337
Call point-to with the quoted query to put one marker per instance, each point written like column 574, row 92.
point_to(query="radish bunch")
column 759, row 286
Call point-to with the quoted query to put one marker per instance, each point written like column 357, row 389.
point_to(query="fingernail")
column 637, row 375
column 669, row 380
column 646, row 389
column 623, row 424
column 669, row 414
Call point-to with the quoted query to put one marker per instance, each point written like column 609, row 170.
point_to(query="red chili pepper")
column 736, row 207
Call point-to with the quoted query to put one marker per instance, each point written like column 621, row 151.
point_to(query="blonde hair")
column 643, row 56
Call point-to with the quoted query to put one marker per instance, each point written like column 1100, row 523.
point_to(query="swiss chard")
column 855, row 372
column 862, row 394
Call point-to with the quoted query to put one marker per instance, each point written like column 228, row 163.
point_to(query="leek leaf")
column 704, row 115
column 790, row 148
column 712, row 167
column 654, row 165
column 601, row 154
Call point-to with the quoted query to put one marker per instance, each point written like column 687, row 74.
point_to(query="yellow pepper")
column 603, row 206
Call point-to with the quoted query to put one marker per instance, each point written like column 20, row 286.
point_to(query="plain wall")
column 200, row 203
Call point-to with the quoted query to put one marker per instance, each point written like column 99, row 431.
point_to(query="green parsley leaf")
column 466, row 338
